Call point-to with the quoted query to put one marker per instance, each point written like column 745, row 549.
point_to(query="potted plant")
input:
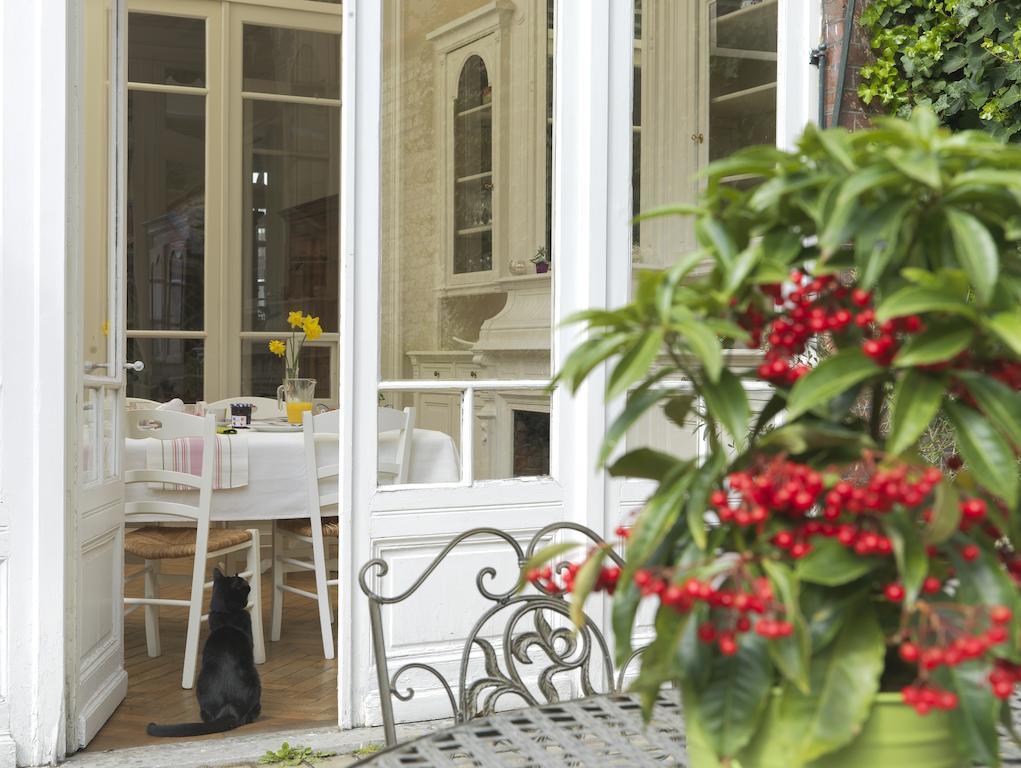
column 541, row 261
column 828, row 590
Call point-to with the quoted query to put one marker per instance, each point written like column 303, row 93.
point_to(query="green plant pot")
column 894, row 736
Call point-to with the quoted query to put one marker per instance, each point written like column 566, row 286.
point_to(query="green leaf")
column 660, row 660
column 678, row 408
column 657, row 518
column 1007, row 327
column 704, row 344
column 973, row 721
column 831, row 564
column 920, row 166
column 917, row 299
column 708, row 475
column 976, row 250
column 733, row 699
column 674, row 209
column 712, row 234
column 635, row 363
column 727, row 402
column 626, row 599
column 644, row 463
column 1000, row 404
column 584, row 581
column 790, row 654
column 849, row 202
column 844, row 684
column 801, row 436
column 946, row 514
column 833, row 376
column 984, row 581
column 986, row 453
column 908, row 551
column 588, row 355
column 916, row 401
column 777, row 402
column 638, row 402
column 935, row 345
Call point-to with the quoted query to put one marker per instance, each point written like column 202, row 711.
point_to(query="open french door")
column 98, row 679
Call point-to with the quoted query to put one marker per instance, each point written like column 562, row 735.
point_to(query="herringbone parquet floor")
column 299, row 686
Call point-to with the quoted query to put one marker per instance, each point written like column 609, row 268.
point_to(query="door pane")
column 291, row 180
column 173, row 368
column 97, row 198
column 166, row 211
column 466, row 281
column 262, row 371
column 291, row 61
column 166, row 49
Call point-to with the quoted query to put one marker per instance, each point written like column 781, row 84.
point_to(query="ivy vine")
column 960, row 57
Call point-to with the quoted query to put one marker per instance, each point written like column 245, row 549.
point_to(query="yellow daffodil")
column 277, row 347
column 295, row 318
column 312, row 328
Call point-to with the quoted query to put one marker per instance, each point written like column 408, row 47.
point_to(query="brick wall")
column 853, row 114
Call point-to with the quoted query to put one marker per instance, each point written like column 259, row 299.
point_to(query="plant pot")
column 541, row 267
column 894, row 736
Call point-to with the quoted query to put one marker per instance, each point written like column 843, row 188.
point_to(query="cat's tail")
column 193, row 729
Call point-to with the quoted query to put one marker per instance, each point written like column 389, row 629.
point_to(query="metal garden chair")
column 534, row 623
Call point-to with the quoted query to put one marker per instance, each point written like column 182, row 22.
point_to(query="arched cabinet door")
column 472, row 146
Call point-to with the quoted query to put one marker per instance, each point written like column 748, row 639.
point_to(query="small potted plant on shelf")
column 828, row 591
column 541, row 261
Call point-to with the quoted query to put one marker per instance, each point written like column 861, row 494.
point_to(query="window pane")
column 166, row 49
column 173, row 368
column 291, row 61
column 466, row 279
column 742, row 75
column 97, row 195
column 166, row 211
column 291, row 231
column 262, row 371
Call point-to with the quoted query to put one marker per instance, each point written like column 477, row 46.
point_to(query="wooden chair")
column 396, row 472
column 154, row 544
column 321, row 434
column 136, row 403
column 262, row 407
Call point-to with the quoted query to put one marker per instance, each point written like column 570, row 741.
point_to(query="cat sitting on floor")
column 228, row 687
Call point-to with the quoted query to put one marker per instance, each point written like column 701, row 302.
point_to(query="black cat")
column 228, row 687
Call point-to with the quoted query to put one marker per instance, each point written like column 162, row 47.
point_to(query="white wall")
column 33, row 103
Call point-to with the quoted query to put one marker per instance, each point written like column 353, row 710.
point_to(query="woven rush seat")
column 153, row 543
column 303, row 526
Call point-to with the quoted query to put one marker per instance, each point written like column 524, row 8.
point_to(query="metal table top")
column 605, row 731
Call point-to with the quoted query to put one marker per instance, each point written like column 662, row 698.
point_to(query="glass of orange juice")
column 297, row 394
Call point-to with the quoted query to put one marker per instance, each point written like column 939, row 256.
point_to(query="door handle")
column 137, row 366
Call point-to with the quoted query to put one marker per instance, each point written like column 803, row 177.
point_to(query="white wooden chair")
column 153, row 544
column 262, row 407
column 136, row 403
column 396, row 472
column 322, row 443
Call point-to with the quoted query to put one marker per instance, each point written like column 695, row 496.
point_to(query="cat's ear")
column 217, row 574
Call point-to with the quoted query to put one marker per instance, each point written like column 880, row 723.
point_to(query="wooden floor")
column 299, row 686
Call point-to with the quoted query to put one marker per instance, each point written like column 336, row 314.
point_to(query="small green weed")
column 368, row 749
column 296, row 755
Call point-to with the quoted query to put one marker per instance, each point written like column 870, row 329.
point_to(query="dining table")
column 276, row 477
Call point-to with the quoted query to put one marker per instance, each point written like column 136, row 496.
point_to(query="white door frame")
column 36, row 392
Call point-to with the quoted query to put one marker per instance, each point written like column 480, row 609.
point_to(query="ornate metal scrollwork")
column 539, row 646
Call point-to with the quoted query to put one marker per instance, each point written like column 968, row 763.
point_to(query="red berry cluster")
column 1007, row 371
column 545, row 580
column 882, row 491
column 781, row 487
column 731, row 610
column 887, row 338
column 1003, row 678
column 932, row 648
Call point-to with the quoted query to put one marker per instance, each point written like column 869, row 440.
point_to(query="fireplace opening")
column 531, row 443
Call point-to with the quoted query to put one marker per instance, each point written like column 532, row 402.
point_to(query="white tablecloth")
column 276, row 474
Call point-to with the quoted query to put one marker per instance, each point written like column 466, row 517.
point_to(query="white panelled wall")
column 34, row 389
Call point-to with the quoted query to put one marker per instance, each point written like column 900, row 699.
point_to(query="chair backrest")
column 321, row 433
column 192, row 432
column 531, row 623
column 262, row 407
column 136, row 403
column 396, row 472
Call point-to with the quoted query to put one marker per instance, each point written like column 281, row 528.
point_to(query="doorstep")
column 244, row 751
